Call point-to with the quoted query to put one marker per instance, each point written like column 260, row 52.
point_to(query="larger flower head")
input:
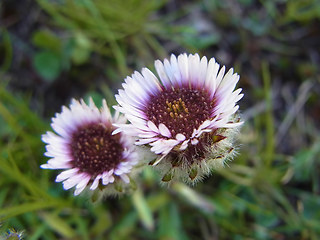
column 86, row 149
column 187, row 117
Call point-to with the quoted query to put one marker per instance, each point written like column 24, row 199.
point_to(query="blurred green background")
column 51, row 51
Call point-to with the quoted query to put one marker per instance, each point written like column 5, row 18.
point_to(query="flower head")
column 188, row 117
column 85, row 148
column 12, row 234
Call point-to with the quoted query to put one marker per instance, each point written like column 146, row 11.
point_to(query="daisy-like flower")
column 85, row 148
column 188, row 117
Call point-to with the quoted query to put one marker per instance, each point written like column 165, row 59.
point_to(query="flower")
column 13, row 234
column 188, row 117
column 84, row 147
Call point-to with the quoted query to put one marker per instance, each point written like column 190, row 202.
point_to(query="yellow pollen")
column 178, row 106
column 175, row 108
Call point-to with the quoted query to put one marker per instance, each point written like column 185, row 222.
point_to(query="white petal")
column 135, row 91
column 66, row 174
column 152, row 126
column 183, row 66
column 78, row 190
column 194, row 141
column 205, row 124
column 184, row 145
column 163, row 146
column 169, row 71
column 106, row 180
column 162, row 74
column 159, row 160
column 72, row 181
column 164, row 131
column 148, row 134
column 146, row 141
column 81, row 185
column 206, row 130
column 136, row 120
column 202, row 72
column 47, row 166
column 124, row 99
column 56, row 165
column 84, row 181
column 52, row 138
column 194, row 62
column 105, row 111
column 125, row 178
column 128, row 108
column 111, row 179
column 195, row 131
column 232, row 125
column 220, row 75
column 211, row 78
column 148, row 85
column 128, row 129
column 95, row 183
column 180, row 137
column 58, row 149
column 175, row 70
column 60, row 130
column 149, row 76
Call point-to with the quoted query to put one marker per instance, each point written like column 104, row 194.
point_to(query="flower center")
column 94, row 149
column 182, row 110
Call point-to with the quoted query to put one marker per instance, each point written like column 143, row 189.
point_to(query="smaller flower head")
column 84, row 147
column 187, row 116
column 12, row 234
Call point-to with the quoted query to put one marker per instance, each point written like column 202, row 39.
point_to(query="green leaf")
column 124, row 227
column 201, row 41
column 27, row 207
column 47, row 65
column 311, row 206
column 143, row 209
column 7, row 53
column 59, row 225
column 170, row 223
column 103, row 221
column 192, row 197
column 47, row 40
column 80, row 55
column 304, row 162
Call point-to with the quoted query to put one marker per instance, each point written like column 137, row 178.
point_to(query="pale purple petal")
column 164, row 131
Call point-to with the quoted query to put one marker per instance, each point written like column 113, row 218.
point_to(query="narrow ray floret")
column 85, row 148
column 188, row 116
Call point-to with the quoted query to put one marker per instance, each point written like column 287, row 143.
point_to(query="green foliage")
column 5, row 44
column 47, row 64
column 271, row 189
column 304, row 161
column 97, row 26
column 303, row 10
